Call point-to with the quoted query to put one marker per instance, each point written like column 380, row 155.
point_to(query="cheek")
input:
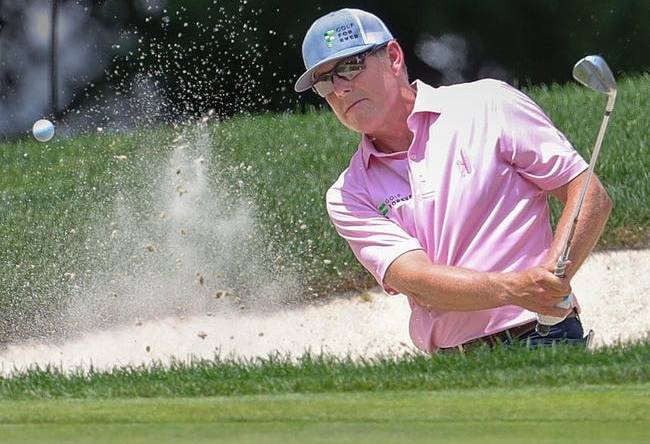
column 351, row 121
column 338, row 113
column 336, row 107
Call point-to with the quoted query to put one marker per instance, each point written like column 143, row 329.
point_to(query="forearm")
column 448, row 288
column 451, row 288
column 591, row 222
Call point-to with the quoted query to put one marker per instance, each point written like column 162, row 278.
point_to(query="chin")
column 357, row 128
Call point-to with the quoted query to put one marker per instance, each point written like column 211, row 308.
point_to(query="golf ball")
column 43, row 130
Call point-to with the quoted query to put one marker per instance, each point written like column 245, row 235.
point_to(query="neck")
column 395, row 135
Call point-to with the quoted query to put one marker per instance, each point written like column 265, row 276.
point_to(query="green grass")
column 624, row 162
column 54, row 198
column 559, row 395
column 584, row 414
column 515, row 368
column 58, row 199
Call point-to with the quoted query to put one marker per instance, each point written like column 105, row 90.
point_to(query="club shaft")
column 564, row 256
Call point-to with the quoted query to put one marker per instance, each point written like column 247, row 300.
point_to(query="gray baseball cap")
column 338, row 35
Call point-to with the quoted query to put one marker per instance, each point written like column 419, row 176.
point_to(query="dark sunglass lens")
column 323, row 88
column 349, row 71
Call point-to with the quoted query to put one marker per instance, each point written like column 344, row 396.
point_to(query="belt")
column 495, row 339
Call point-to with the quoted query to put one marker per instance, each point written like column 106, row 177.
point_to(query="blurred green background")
column 185, row 57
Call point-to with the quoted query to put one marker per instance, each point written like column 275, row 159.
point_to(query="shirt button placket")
column 420, row 178
column 416, row 171
column 417, row 177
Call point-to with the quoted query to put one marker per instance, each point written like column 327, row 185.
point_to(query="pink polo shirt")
column 470, row 191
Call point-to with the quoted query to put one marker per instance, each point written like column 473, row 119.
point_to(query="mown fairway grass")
column 582, row 414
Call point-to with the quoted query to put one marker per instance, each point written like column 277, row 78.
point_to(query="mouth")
column 353, row 105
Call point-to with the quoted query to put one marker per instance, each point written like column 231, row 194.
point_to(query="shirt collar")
column 426, row 100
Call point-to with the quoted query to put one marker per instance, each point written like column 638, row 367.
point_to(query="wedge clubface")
column 593, row 72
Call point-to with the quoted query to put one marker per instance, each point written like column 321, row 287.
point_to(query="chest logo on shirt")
column 392, row 201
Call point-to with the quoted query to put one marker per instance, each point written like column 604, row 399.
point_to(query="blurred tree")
column 244, row 55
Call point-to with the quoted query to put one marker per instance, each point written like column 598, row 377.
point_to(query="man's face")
column 363, row 104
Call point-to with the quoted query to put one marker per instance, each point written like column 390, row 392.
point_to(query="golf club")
column 592, row 71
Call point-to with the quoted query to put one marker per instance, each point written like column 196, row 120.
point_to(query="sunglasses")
column 346, row 69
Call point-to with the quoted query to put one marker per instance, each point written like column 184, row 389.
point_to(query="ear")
column 395, row 56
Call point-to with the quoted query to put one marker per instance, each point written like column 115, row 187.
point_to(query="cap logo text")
column 346, row 32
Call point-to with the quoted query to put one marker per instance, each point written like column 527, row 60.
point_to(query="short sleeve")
column 375, row 240
column 531, row 143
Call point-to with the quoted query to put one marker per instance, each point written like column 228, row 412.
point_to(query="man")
column 445, row 200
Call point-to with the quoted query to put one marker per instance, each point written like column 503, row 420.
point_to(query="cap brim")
column 306, row 81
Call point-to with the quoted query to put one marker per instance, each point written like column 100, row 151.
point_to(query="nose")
column 341, row 86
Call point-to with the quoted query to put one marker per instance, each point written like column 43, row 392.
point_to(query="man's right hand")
column 538, row 290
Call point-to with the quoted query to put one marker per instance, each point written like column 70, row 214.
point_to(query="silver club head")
column 593, row 72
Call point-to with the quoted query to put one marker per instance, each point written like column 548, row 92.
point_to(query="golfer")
column 445, row 199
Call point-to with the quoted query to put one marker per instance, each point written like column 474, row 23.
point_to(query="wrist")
column 502, row 285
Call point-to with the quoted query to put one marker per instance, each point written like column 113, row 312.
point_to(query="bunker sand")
column 613, row 289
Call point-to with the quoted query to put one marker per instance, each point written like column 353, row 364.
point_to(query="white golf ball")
column 43, row 130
